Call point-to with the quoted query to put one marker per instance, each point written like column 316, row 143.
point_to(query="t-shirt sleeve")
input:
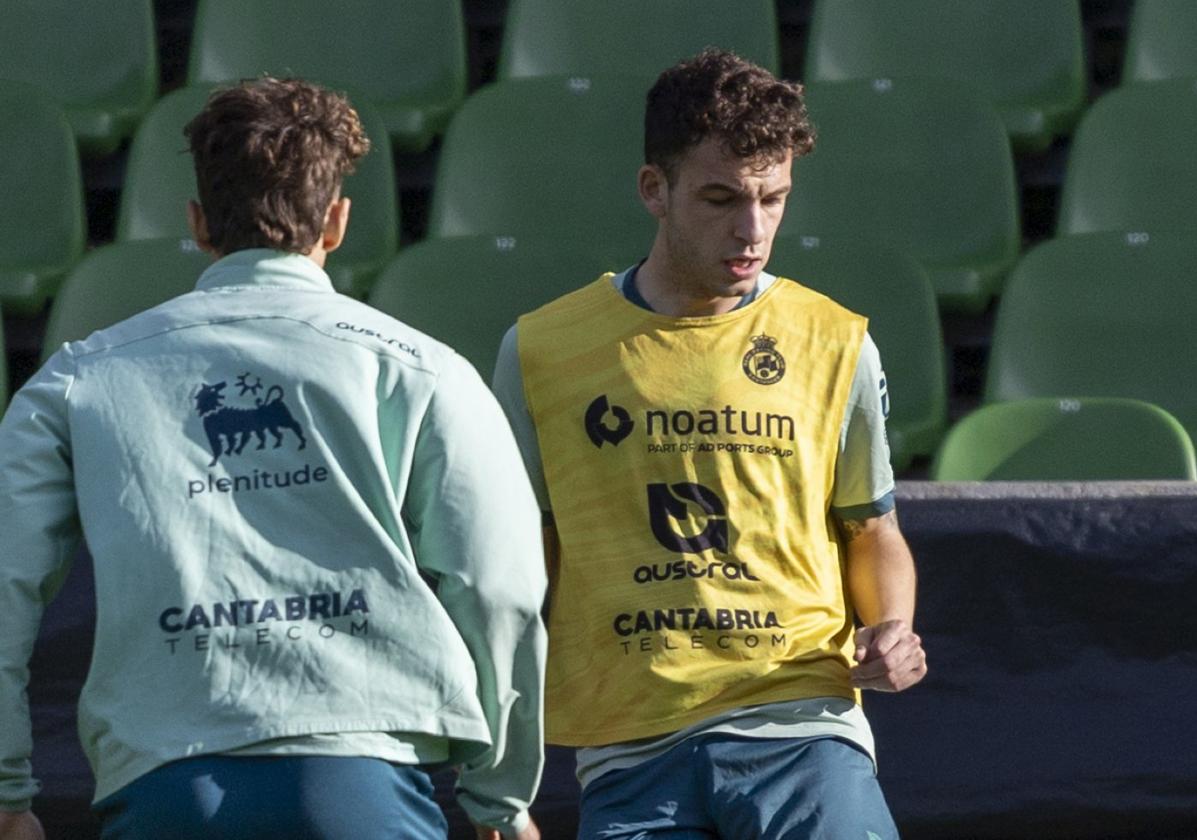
column 864, row 479
column 508, row 387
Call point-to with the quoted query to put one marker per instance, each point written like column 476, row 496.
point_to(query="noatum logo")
column 725, row 421
column 596, row 422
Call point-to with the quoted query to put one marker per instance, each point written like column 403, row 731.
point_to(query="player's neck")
column 670, row 292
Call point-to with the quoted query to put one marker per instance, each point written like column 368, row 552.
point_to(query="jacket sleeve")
column 39, row 532
column 476, row 529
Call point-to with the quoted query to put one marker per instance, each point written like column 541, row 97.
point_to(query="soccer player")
column 708, row 445
column 317, row 556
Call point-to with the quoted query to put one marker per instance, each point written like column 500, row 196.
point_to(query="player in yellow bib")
column 708, row 445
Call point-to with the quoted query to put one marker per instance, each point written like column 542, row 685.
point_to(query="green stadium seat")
column 550, row 154
column 1131, row 166
column 894, row 292
column 1160, row 41
column 116, row 281
column 1100, row 315
column 923, row 164
column 1049, row 439
column 42, row 226
column 99, row 61
column 406, row 56
column 161, row 179
column 551, row 37
column 467, row 291
column 1026, row 56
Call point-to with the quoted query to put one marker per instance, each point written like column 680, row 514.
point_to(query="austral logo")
column 228, row 429
column 596, row 422
column 668, row 506
column 763, row 364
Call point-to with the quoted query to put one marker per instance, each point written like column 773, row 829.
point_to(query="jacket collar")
column 262, row 267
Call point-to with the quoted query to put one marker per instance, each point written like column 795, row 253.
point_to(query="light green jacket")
column 311, row 532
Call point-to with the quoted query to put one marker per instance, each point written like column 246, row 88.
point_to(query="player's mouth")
column 743, row 267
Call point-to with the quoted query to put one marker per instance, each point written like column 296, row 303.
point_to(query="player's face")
column 719, row 218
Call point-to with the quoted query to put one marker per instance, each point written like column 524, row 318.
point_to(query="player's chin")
column 737, row 286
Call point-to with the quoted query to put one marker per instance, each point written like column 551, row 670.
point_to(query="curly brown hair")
column 270, row 155
column 752, row 113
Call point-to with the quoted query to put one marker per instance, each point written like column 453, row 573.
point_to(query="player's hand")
column 890, row 657
column 530, row 832
column 20, row 825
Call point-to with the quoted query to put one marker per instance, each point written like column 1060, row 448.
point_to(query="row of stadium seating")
column 395, row 55
column 408, row 58
column 886, row 185
column 1084, row 316
column 920, row 164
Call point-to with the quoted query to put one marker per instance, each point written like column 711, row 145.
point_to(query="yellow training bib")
column 689, row 464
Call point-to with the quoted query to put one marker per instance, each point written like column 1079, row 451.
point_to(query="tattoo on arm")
column 853, row 528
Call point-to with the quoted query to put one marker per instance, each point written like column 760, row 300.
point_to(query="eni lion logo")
column 229, row 428
column 763, row 364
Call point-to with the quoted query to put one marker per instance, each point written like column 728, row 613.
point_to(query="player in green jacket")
column 317, row 555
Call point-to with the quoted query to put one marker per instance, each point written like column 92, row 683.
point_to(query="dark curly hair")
column 752, row 113
column 270, row 155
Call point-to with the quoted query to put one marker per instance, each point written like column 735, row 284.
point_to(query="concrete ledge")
column 1061, row 634
column 1010, row 490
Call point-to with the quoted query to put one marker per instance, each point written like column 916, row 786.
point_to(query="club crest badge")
column 763, row 364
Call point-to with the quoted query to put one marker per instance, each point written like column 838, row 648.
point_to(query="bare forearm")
column 881, row 582
column 880, row 570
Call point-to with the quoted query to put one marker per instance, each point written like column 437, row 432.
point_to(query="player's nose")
column 751, row 226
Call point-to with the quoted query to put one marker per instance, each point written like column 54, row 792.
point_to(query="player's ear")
column 336, row 222
column 653, row 186
column 197, row 222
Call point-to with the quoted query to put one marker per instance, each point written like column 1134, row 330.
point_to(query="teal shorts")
column 292, row 797
column 726, row 786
